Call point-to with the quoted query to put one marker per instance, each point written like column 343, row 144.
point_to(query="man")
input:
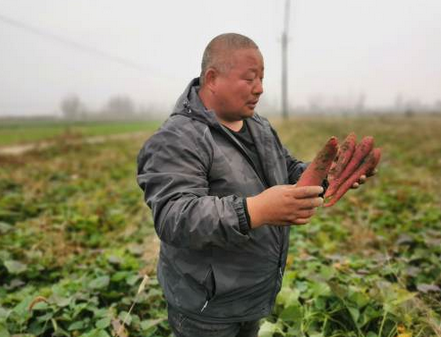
column 220, row 186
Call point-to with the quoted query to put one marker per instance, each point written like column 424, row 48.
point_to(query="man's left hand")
column 363, row 179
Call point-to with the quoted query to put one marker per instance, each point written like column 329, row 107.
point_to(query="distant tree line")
column 119, row 107
column 122, row 107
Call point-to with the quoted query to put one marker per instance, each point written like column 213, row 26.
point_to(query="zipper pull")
column 205, row 305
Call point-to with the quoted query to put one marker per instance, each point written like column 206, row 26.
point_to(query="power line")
column 72, row 44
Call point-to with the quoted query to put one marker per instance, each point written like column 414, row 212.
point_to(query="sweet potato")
column 361, row 151
column 370, row 171
column 344, row 154
column 318, row 169
column 368, row 165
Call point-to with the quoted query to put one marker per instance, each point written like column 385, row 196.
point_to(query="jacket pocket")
column 210, row 287
column 209, row 284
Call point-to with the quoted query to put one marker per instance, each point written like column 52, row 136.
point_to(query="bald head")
column 218, row 52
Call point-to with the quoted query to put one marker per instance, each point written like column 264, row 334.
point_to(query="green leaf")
column 292, row 313
column 369, row 314
column 78, row 308
column 125, row 317
column 150, row 323
column 3, row 331
column 320, row 303
column 3, row 313
column 100, row 313
column 133, row 279
column 37, row 328
column 103, row 323
column 79, row 325
column 340, row 290
column 287, row 296
column 22, row 308
column 113, row 259
column 4, row 255
column 316, row 334
column 320, row 289
column 45, row 317
column 5, row 227
column 61, row 301
column 136, row 249
column 96, row 333
column 357, row 297
column 119, row 276
column 355, row 313
column 402, row 296
column 100, row 282
column 15, row 267
column 267, row 329
column 327, row 273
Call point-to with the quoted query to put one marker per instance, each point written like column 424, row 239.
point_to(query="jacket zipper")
column 240, row 147
column 205, row 305
column 233, row 139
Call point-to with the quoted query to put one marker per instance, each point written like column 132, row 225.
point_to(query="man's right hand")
column 284, row 205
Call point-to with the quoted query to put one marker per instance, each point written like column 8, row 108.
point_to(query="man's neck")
column 205, row 97
column 235, row 126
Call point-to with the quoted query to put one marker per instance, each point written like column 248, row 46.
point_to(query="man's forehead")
column 252, row 58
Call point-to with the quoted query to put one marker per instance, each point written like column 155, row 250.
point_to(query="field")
column 16, row 132
column 78, row 247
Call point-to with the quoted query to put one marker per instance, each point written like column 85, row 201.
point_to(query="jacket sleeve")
column 173, row 167
column 295, row 167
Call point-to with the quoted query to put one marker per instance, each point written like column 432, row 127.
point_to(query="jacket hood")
column 190, row 105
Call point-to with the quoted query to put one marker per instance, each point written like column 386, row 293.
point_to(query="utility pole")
column 285, row 62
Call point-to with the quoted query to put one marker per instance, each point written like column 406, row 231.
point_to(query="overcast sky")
column 150, row 50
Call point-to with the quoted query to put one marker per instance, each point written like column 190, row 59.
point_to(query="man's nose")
column 258, row 88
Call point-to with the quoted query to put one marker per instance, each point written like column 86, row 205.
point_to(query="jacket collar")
column 190, row 105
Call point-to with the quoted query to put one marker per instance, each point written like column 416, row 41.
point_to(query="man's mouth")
column 252, row 103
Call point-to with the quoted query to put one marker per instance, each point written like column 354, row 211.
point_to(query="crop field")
column 13, row 132
column 78, row 247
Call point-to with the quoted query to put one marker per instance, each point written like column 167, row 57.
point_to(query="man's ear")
column 211, row 77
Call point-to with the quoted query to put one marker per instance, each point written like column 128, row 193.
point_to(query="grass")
column 75, row 231
column 12, row 133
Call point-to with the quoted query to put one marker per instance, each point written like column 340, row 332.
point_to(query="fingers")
column 372, row 173
column 301, row 221
column 305, row 213
column 290, row 205
column 302, row 217
column 298, row 221
column 310, row 203
column 306, row 191
column 360, row 181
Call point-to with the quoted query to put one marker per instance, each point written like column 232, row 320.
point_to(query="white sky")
column 339, row 49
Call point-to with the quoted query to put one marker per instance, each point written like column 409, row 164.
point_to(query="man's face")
column 237, row 91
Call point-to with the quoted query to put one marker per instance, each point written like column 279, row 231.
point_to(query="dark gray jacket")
column 195, row 177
